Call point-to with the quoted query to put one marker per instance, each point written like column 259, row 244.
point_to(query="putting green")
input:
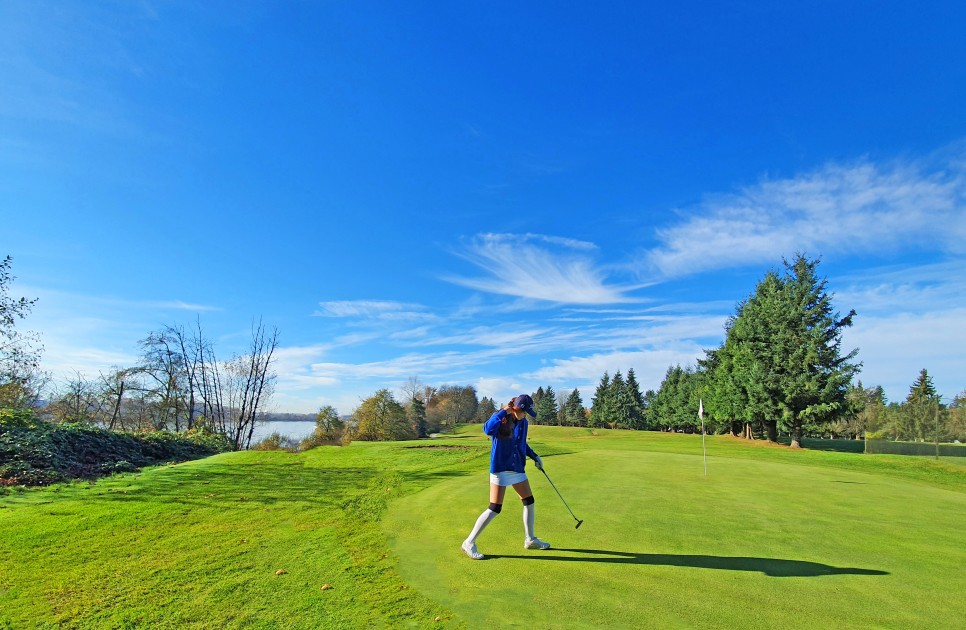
column 756, row 544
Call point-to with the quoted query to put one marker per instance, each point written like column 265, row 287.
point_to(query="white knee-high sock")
column 484, row 520
column 528, row 518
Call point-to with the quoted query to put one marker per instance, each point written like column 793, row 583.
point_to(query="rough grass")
column 771, row 538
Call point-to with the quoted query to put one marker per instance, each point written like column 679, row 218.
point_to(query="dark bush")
column 34, row 452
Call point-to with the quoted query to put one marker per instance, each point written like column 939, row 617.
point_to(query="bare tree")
column 163, row 364
column 77, row 401
column 112, row 391
column 251, row 383
column 412, row 389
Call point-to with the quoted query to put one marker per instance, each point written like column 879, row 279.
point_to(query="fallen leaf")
column 326, row 587
column 281, row 572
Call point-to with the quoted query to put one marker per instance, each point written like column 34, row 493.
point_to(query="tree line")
column 421, row 411
column 178, row 384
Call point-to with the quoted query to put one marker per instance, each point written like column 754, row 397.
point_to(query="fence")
column 889, row 447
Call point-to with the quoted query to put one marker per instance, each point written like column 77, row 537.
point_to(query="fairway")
column 755, row 544
column 367, row 536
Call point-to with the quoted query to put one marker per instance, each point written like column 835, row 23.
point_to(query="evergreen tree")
column 815, row 375
column 784, row 352
column 667, row 401
column 863, row 411
column 648, row 414
column 637, row 401
column 546, row 407
column 486, row 409
column 600, row 410
column 956, row 424
column 621, row 401
column 727, row 397
column 755, row 355
column 416, row 414
column 920, row 408
column 538, row 395
column 574, row 410
column 675, row 405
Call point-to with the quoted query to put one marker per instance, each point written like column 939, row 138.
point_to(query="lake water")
column 295, row 430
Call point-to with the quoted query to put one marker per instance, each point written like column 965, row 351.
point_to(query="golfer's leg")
column 496, row 504
column 528, row 517
column 526, row 495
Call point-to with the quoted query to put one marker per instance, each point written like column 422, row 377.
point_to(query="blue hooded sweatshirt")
column 509, row 453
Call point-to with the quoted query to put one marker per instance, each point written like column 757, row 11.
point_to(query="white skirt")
column 507, row 478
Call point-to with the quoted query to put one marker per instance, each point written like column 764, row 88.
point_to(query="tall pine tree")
column 574, row 410
column 546, row 407
column 600, row 412
column 637, row 400
column 920, row 408
column 621, row 410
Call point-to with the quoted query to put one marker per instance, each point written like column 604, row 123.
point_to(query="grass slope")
column 198, row 545
column 770, row 538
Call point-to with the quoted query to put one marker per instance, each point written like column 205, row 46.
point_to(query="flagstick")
column 703, row 447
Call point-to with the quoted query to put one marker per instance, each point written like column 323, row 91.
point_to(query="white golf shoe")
column 470, row 550
column 535, row 543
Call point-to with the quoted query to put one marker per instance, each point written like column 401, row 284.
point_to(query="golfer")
column 508, row 429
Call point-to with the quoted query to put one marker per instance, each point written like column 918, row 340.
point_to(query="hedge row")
column 35, row 452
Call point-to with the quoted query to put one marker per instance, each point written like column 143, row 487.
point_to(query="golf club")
column 579, row 522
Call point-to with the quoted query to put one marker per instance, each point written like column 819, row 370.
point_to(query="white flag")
column 701, row 408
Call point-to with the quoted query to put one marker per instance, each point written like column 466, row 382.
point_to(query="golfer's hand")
column 539, row 462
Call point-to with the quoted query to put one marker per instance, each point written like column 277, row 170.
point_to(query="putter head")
column 579, row 523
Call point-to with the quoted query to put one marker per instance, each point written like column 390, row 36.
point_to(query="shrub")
column 319, row 438
column 35, row 452
column 277, row 442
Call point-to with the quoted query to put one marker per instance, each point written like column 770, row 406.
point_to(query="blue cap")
column 526, row 403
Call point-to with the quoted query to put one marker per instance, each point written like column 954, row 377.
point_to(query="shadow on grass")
column 774, row 567
column 836, row 445
column 240, row 486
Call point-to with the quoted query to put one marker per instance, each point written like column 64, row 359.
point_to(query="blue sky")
column 502, row 194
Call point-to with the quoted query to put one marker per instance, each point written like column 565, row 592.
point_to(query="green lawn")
column 770, row 538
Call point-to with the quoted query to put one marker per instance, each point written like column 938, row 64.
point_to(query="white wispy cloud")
column 893, row 348
column 182, row 306
column 856, row 208
column 64, row 359
column 537, row 267
column 905, row 288
column 373, row 309
column 649, row 366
